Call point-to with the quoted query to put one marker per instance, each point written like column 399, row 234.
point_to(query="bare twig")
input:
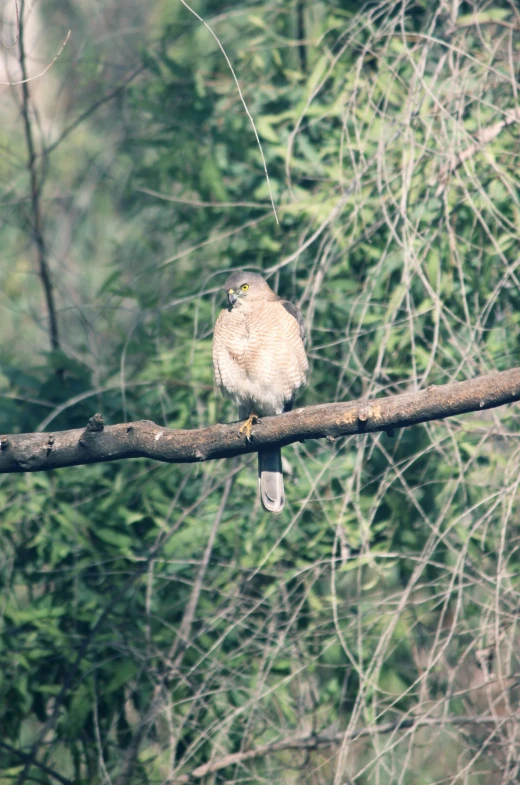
column 90, row 111
column 145, row 439
column 70, row 676
column 246, row 108
column 315, row 741
column 484, row 136
column 183, row 636
column 197, row 203
column 474, row 21
column 25, row 80
column 39, row 765
column 178, row 646
column 37, row 224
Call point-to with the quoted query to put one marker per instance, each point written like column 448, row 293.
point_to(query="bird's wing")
column 295, row 311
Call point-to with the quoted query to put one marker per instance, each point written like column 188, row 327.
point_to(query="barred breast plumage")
column 259, row 357
column 260, row 363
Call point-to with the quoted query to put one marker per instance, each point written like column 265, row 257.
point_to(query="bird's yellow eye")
column 245, row 287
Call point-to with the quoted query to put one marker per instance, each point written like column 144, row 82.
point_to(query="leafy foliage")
column 154, row 618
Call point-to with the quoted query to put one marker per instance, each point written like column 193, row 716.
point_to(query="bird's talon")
column 246, row 427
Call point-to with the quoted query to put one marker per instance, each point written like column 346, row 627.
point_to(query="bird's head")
column 244, row 287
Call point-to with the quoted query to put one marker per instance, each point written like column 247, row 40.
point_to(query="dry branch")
column 144, row 439
column 316, row 741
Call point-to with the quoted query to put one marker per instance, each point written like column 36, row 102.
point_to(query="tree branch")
column 144, row 439
column 315, row 741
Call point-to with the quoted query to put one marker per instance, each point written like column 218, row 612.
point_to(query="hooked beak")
column 231, row 296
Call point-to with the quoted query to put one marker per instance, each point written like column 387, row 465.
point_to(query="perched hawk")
column 259, row 362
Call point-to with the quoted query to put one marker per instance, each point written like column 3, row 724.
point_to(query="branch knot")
column 96, row 423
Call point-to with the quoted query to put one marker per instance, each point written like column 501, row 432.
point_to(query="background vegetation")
column 153, row 617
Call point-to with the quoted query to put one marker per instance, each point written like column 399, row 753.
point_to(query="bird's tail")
column 270, row 479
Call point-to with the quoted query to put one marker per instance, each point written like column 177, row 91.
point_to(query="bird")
column 259, row 362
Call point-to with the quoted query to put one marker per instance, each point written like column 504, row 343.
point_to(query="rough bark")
column 97, row 442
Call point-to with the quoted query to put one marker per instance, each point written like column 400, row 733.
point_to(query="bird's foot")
column 246, row 427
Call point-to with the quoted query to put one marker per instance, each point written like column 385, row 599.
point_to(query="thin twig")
column 71, row 674
column 228, row 61
column 39, row 765
column 37, row 223
column 178, row 646
column 483, row 137
column 26, row 79
column 315, row 741
column 197, row 203
column 88, row 112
